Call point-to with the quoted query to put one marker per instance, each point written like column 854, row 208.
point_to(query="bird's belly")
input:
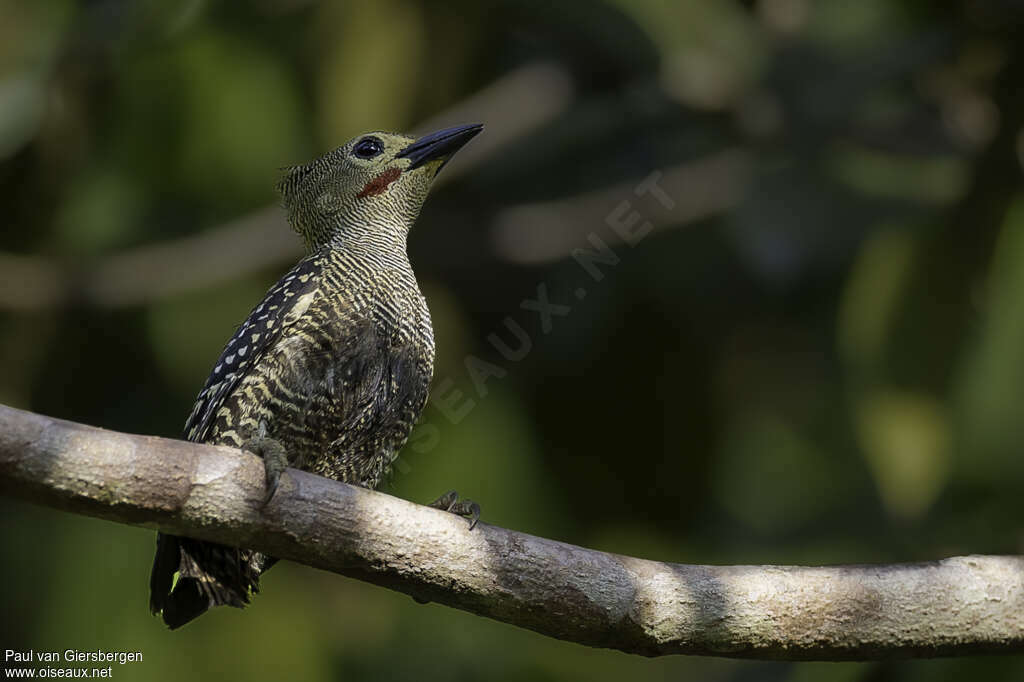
column 339, row 412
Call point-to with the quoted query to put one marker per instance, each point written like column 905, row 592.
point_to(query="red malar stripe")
column 379, row 183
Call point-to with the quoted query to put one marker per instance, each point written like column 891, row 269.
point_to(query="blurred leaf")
column 31, row 32
column 854, row 27
column 990, row 391
column 30, row 39
column 369, row 67
column 906, row 440
column 22, row 100
column 931, row 180
column 872, row 296
column 711, row 52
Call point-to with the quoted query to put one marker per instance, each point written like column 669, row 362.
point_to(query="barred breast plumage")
column 335, row 362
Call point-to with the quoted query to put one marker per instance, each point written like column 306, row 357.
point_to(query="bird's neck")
column 378, row 280
column 370, row 250
column 361, row 230
column 385, row 248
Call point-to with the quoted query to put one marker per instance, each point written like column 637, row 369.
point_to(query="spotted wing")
column 260, row 331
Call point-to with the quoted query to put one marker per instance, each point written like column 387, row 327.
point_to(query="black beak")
column 440, row 144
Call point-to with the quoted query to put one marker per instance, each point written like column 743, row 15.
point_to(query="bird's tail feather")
column 209, row 575
column 165, row 565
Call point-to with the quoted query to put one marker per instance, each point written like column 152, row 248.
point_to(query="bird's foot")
column 275, row 461
column 450, row 502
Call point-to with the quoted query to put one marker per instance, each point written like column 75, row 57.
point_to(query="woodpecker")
column 331, row 369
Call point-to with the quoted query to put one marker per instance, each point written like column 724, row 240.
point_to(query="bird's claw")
column 275, row 461
column 451, row 503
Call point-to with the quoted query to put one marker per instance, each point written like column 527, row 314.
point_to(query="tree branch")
column 956, row 606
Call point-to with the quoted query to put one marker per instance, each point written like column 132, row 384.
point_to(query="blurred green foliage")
column 828, row 369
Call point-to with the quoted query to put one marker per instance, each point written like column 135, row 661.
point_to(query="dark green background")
column 817, row 356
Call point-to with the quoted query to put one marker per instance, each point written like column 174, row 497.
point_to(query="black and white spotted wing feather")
column 260, row 331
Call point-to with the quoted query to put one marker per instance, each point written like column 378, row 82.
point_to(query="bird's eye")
column 368, row 147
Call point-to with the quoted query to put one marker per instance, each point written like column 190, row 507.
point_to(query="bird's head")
column 370, row 188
